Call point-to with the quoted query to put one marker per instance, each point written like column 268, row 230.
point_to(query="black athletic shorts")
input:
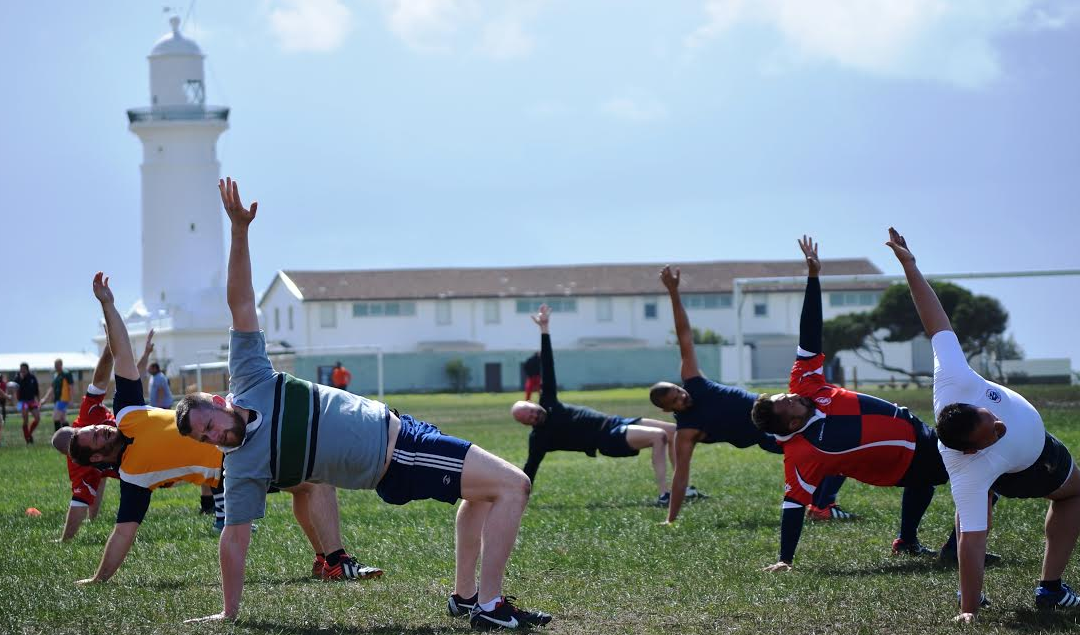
column 611, row 441
column 926, row 466
column 1046, row 474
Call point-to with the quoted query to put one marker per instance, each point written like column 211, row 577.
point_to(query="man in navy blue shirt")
column 709, row 412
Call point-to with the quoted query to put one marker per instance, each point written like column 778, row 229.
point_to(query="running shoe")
column 458, row 606
column 663, row 500
column 349, row 569
column 1064, row 598
column 913, row 548
column 830, row 512
column 506, row 615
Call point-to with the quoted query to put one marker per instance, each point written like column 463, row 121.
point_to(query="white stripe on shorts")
column 428, row 460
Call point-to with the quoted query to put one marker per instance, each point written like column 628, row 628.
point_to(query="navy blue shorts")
column 611, row 441
column 1043, row 477
column 426, row 464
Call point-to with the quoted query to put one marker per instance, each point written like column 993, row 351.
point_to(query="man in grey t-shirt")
column 279, row 430
column 160, row 394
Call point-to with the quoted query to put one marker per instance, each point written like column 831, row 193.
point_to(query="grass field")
column 591, row 549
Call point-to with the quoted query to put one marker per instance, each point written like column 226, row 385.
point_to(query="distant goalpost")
column 200, row 366
column 740, row 286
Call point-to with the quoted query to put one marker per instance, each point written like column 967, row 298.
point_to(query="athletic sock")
column 219, row 506
column 490, row 606
column 333, row 559
column 1051, row 585
column 913, row 506
column 57, row 425
column 206, row 503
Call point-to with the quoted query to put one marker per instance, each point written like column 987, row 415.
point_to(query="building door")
column 493, row 377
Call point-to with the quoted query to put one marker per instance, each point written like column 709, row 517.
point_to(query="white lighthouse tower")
column 183, row 249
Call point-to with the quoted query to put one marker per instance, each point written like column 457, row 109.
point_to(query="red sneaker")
column 349, row 569
column 830, row 512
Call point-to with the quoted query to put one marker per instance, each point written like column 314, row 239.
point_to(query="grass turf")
column 591, row 549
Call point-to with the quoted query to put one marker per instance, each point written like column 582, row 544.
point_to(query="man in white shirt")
column 991, row 438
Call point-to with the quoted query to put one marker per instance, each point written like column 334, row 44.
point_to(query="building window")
column 277, row 319
column 491, row 311
column 854, row 298
column 194, row 92
column 328, row 315
column 558, row 305
column 290, row 319
column 383, row 309
column 761, row 309
column 707, row 300
column 650, row 310
column 604, row 310
column 442, row 312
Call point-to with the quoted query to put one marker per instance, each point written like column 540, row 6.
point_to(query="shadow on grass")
column 1032, row 620
column 287, row 629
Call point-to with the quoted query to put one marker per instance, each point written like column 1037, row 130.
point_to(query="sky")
column 429, row 133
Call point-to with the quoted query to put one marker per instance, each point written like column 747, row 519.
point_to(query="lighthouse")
column 183, row 248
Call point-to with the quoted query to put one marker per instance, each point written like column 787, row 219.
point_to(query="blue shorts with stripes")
column 426, row 464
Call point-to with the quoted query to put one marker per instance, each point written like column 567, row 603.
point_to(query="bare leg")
column 316, row 510
column 96, row 507
column 639, row 437
column 1062, row 526
column 669, row 430
column 467, row 544
column 485, row 478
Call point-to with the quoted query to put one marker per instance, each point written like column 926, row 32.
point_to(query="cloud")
column 634, row 110
column 311, row 25
column 494, row 29
column 950, row 41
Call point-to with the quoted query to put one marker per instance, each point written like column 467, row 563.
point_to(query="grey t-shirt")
column 160, row 383
column 303, row 433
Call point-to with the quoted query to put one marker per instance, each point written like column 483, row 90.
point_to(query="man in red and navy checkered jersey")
column 87, row 481
column 824, row 429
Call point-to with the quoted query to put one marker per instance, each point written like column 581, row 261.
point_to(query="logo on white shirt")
column 993, row 395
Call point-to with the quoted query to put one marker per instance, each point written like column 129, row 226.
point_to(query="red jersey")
column 85, row 479
column 851, row 434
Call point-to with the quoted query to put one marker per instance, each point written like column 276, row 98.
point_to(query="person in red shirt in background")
column 340, row 377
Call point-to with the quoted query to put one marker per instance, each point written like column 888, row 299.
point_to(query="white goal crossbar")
column 739, row 286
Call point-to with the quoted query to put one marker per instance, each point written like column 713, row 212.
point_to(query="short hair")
column 955, row 424
column 659, row 391
column 78, row 452
column 765, row 417
column 61, row 439
column 193, row 401
column 24, row 365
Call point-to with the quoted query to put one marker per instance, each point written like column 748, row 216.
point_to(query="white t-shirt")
column 971, row 475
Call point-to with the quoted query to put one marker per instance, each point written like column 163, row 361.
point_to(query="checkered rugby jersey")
column 851, row 434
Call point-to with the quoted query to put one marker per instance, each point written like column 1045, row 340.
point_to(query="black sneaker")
column 1065, row 598
column 458, row 606
column 984, row 602
column 913, row 548
column 663, row 500
column 506, row 615
column 947, row 558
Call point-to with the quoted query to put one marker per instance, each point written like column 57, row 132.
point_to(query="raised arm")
column 683, row 333
column 933, row 316
column 115, row 330
column 103, row 370
column 811, row 322
column 239, row 290
column 548, row 387
column 144, row 361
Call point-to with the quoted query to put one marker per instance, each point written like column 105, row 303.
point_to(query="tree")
column 458, row 374
column 978, row 320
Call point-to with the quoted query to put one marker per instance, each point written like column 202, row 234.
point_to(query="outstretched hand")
column 101, row 288
column 809, row 250
column 779, row 566
column 217, row 617
column 230, row 198
column 899, row 246
column 670, row 280
column 149, row 343
column 543, row 316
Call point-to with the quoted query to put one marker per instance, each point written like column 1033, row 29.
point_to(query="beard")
column 236, row 432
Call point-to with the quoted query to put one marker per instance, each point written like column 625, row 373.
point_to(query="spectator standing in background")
column 340, row 377
column 532, row 375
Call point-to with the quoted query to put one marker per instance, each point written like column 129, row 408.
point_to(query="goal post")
column 740, row 286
